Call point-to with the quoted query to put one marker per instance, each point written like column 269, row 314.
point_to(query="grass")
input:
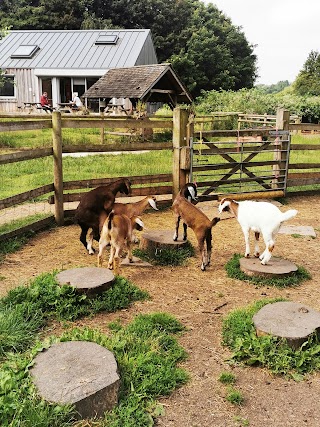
column 12, row 245
column 239, row 335
column 233, row 270
column 227, row 378
column 166, row 256
column 147, row 354
column 27, row 309
column 22, row 222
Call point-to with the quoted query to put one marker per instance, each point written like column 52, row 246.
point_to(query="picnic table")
column 66, row 107
column 115, row 108
column 33, row 107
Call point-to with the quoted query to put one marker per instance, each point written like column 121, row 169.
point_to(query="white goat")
column 260, row 217
column 118, row 232
column 200, row 224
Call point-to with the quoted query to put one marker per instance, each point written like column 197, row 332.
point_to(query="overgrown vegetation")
column 233, row 270
column 147, row 354
column 166, row 256
column 239, row 335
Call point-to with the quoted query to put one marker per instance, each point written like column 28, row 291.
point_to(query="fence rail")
column 300, row 174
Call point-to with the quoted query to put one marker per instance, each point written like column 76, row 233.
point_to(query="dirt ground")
column 193, row 297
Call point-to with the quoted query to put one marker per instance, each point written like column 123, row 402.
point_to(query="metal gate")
column 255, row 166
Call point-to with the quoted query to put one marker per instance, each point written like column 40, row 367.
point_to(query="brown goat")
column 118, row 232
column 200, row 224
column 95, row 206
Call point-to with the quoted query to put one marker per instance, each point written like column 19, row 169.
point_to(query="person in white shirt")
column 76, row 101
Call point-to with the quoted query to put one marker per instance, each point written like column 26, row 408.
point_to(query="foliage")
column 166, row 256
column 147, row 354
column 308, row 80
column 227, row 378
column 274, row 88
column 234, row 396
column 274, row 353
column 12, row 245
column 233, row 270
column 255, row 101
column 208, row 51
column 26, row 309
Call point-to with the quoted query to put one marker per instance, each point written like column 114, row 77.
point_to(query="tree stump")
column 276, row 267
column 80, row 373
column 290, row 320
column 88, row 280
column 160, row 239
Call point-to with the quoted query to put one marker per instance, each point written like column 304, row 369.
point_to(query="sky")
column 283, row 31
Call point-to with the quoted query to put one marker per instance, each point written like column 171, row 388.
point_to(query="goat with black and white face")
column 260, row 217
column 195, row 219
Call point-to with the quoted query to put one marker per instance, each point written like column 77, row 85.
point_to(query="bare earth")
column 194, row 297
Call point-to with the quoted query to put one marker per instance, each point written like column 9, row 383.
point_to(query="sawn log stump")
column 154, row 241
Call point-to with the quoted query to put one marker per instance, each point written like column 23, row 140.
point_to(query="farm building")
column 62, row 62
column 149, row 84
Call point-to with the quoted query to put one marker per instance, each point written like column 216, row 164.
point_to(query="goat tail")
column 215, row 220
column 288, row 215
column 110, row 219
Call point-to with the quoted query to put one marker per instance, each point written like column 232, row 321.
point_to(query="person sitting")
column 45, row 102
column 76, row 101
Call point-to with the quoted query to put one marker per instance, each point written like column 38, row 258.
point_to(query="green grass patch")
column 12, row 245
column 227, row 378
column 234, row 396
column 26, row 309
column 147, row 353
column 22, row 222
column 167, row 256
column 233, row 270
column 239, row 335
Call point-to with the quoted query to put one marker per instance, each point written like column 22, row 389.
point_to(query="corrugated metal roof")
column 151, row 82
column 75, row 49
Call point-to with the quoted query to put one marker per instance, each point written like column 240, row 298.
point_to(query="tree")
column 308, row 80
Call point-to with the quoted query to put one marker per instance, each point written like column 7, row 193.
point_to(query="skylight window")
column 107, row 39
column 25, row 51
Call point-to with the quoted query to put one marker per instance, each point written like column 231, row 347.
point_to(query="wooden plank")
column 300, row 182
column 234, row 133
column 132, row 146
column 304, row 165
column 141, row 191
column 224, row 166
column 116, row 123
column 92, row 183
column 302, row 147
column 24, row 197
column 34, row 227
column 20, row 156
column 304, row 126
column 26, row 125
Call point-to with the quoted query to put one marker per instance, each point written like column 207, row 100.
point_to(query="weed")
column 274, row 353
column 296, row 236
column 233, row 270
column 234, row 396
column 167, row 256
column 243, row 422
column 227, row 378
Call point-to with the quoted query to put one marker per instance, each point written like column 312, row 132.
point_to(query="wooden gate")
column 248, row 163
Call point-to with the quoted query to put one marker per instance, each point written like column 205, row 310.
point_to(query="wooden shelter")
column 157, row 83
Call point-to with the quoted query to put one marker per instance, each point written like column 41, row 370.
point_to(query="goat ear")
column 138, row 224
column 152, row 203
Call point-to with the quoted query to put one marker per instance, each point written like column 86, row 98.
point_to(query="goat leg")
column 185, row 228
column 175, row 236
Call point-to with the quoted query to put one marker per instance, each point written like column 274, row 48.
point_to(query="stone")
column 160, row 239
column 303, row 230
column 88, row 280
column 276, row 267
column 80, row 373
column 290, row 320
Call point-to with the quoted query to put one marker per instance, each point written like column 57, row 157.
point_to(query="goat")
column 95, row 206
column 262, row 218
column 200, row 224
column 118, row 232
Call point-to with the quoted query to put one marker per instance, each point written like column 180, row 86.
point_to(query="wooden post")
column 57, row 168
column 282, row 123
column 102, row 130
column 179, row 140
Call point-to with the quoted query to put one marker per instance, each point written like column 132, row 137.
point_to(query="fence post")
column 179, row 140
column 282, row 123
column 57, row 168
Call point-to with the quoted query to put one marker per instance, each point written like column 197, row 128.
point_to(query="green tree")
column 308, row 80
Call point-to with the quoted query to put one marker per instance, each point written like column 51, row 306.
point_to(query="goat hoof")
column 203, row 267
column 257, row 255
column 247, row 255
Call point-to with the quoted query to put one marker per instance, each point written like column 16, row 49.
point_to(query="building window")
column 7, row 86
column 107, row 39
column 25, row 51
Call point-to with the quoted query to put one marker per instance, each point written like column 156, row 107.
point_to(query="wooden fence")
column 185, row 128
